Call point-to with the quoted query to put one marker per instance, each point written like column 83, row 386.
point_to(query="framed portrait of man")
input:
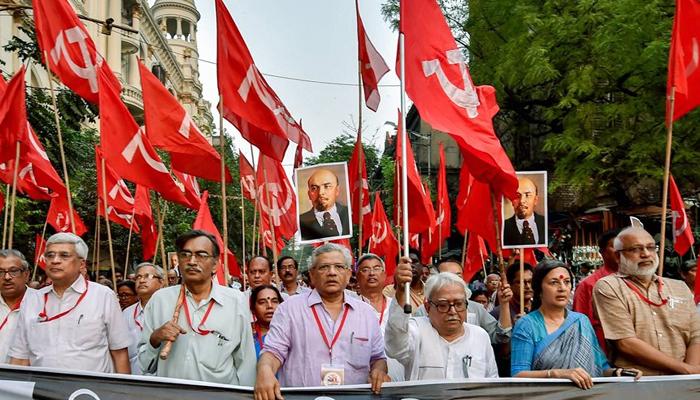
column 323, row 202
column 524, row 219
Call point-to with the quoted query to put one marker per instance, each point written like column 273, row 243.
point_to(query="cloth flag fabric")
column 439, row 234
column 247, row 174
column 171, row 128
column 476, row 254
column 266, row 235
column 144, row 217
column 39, row 250
column 372, row 65
column 72, row 54
column 682, row 233
column 119, row 217
column 382, row 242
column 684, row 60
column 120, row 202
column 476, row 216
column 357, row 179
column 58, row 216
column 205, row 222
column 281, row 205
column 189, row 185
column 438, row 82
column 248, row 102
column 13, row 117
column 128, row 150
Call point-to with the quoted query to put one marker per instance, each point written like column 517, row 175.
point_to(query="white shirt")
column 7, row 332
column 134, row 322
column 426, row 355
column 533, row 226
column 334, row 216
column 395, row 369
column 81, row 339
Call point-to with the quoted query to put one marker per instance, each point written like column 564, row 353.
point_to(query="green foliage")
column 340, row 150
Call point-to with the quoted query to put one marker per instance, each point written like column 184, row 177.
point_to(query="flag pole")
column 243, row 237
column 95, row 239
column 36, row 263
column 128, row 242
column 109, row 230
column 481, row 258
column 360, row 217
column 255, row 245
column 464, row 249
column 667, row 172
column 499, row 249
column 522, row 287
column 272, row 228
column 60, row 146
column 253, row 239
column 7, row 212
column 13, row 201
column 224, row 213
column 404, row 178
column 96, row 267
column 161, row 243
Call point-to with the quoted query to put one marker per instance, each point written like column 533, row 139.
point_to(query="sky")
column 309, row 40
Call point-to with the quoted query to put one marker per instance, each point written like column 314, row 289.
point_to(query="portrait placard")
column 524, row 220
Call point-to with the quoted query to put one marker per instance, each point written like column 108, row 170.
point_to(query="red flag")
column 171, row 128
column 357, row 176
column 441, row 231
column 13, row 117
column 188, row 184
column 281, row 204
column 266, row 235
column 477, row 214
column 144, row 217
column 39, row 249
column 682, row 234
column 205, row 222
column 476, row 254
column 465, row 183
column 249, row 102
column 119, row 217
column 421, row 215
column 128, row 150
column 684, row 59
column 58, row 217
column 298, row 157
column 372, row 65
column 383, row 242
column 72, row 53
column 247, row 174
column 118, row 194
column 529, row 254
column 438, row 82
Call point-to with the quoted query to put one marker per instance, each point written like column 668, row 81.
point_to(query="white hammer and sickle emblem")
column 275, row 208
column 466, row 98
column 76, row 35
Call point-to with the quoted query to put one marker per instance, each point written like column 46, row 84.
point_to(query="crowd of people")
column 622, row 320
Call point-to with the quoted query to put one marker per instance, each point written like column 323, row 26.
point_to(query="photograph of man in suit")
column 525, row 227
column 326, row 218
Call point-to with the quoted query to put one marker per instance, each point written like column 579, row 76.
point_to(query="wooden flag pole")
column 36, row 263
column 161, row 216
column 404, row 178
column 224, row 213
column 128, row 242
column 95, row 240
column 481, row 258
column 7, row 214
column 109, row 230
column 667, row 173
column 272, row 228
column 499, row 249
column 13, row 201
column 60, row 147
column 360, row 216
column 243, row 237
column 464, row 249
column 96, row 267
column 255, row 225
column 255, row 246
column 522, row 275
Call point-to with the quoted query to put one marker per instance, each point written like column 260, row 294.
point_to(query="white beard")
column 631, row 268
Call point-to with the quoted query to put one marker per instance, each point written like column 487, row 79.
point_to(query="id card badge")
column 332, row 374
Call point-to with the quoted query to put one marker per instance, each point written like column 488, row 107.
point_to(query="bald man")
column 326, row 218
column 525, row 227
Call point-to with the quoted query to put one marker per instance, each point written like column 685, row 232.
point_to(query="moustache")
column 192, row 268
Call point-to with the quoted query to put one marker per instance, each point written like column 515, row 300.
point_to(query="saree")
column 566, row 348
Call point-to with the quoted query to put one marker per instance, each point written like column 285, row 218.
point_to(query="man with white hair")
column 650, row 323
column 72, row 323
column 441, row 345
column 14, row 275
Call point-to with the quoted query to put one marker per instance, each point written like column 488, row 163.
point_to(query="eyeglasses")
column 444, row 306
column 198, row 256
column 377, row 269
column 146, row 277
column 637, row 250
column 14, row 272
column 326, row 268
column 63, row 255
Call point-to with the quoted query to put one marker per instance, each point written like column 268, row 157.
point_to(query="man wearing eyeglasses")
column 72, row 323
column 441, row 345
column 148, row 279
column 211, row 340
column 14, row 275
column 650, row 322
column 322, row 337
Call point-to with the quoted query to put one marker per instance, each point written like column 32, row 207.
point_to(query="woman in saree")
column 554, row 342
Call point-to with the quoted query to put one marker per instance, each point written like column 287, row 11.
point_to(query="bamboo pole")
column 7, row 214
column 273, row 209
column 160, row 216
column 36, row 260
column 109, row 230
column 667, row 172
column 243, row 238
column 128, row 242
column 224, row 213
column 13, row 201
column 60, row 147
column 253, row 238
column 95, row 240
column 360, row 216
column 96, row 268
column 407, row 308
column 522, row 276
column 499, row 249
column 256, row 239
column 464, row 249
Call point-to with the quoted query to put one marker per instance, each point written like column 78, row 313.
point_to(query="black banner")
column 17, row 383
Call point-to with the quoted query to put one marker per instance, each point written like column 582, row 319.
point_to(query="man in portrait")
column 326, row 218
column 525, row 227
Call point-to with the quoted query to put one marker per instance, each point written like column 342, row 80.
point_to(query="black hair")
column 195, row 233
column 478, row 292
column 687, row 265
column 447, row 259
column 267, row 260
column 130, row 284
column 514, row 269
column 254, row 295
column 284, row 258
column 541, row 270
column 605, row 238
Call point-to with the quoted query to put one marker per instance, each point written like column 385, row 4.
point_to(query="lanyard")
column 645, row 298
column 323, row 332
column 381, row 315
column 199, row 329
column 12, row 309
column 136, row 309
column 43, row 317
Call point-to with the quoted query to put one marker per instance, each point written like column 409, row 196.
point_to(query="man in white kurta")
column 441, row 345
column 14, row 275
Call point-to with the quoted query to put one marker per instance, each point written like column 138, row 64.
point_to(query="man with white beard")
column 650, row 323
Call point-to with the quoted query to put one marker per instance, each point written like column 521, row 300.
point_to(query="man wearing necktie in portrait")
column 527, row 228
column 327, row 218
